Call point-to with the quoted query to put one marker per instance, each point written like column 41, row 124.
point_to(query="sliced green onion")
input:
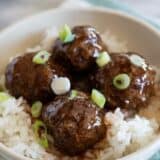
column 4, row 97
column 36, row 109
column 43, row 141
column 98, row 98
column 41, row 57
column 137, row 60
column 41, row 138
column 103, row 59
column 121, row 81
column 65, row 34
column 73, row 94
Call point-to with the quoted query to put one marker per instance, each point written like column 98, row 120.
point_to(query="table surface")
column 13, row 10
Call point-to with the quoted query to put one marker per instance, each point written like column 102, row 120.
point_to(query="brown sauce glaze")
column 75, row 124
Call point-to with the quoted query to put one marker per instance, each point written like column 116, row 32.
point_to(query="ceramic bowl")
column 140, row 37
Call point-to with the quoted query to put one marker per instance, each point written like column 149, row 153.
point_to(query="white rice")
column 126, row 136
column 16, row 131
column 123, row 136
column 34, row 49
column 49, row 37
column 114, row 44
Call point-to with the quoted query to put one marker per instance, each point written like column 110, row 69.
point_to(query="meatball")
column 30, row 80
column 75, row 124
column 80, row 54
column 141, row 77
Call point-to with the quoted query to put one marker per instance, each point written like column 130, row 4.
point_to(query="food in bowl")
column 74, row 98
column 75, row 123
column 22, row 76
column 127, row 81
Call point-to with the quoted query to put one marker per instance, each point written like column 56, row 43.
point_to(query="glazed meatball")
column 75, row 124
column 80, row 54
column 134, row 69
column 30, row 80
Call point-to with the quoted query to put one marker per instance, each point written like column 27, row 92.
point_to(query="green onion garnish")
column 98, row 98
column 121, row 81
column 41, row 57
column 36, row 109
column 65, row 34
column 40, row 131
column 43, row 141
column 73, row 94
column 4, row 97
column 103, row 59
column 137, row 60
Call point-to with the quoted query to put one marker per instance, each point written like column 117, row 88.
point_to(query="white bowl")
column 140, row 36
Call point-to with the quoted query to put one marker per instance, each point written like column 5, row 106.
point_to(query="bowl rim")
column 7, row 151
column 85, row 9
